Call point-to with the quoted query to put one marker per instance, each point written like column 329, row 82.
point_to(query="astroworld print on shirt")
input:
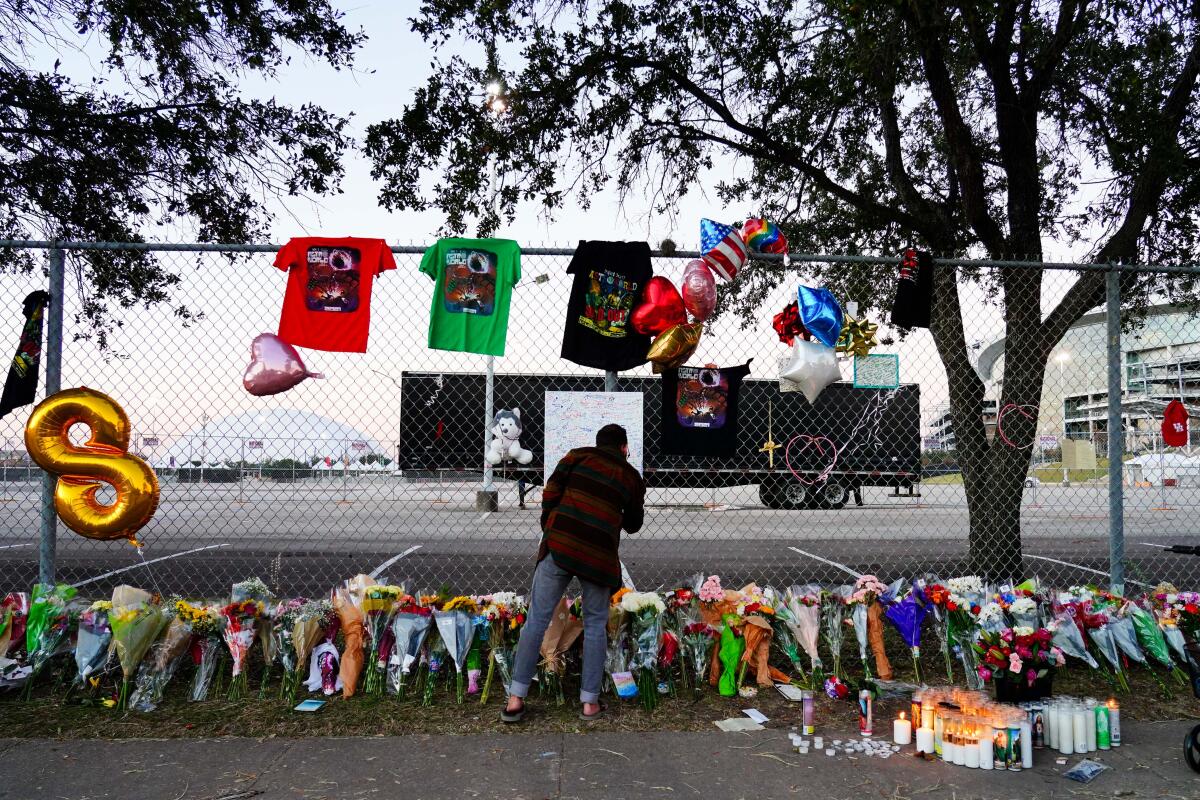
column 470, row 283
column 608, row 303
column 333, row 279
column 702, row 398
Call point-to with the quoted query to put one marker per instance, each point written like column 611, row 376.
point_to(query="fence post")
column 610, row 381
column 1116, row 437
column 49, row 515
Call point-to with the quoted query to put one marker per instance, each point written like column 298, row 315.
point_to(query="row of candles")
column 969, row 729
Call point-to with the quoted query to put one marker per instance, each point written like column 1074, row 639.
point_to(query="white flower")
column 1022, row 630
column 1023, row 605
column 966, row 586
column 633, row 602
column 992, row 612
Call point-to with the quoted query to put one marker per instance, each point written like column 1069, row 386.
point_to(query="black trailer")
column 875, row 432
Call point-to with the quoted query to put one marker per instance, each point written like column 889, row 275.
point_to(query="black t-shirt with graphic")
column 609, row 279
column 699, row 410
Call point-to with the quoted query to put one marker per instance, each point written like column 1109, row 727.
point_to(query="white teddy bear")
column 506, row 446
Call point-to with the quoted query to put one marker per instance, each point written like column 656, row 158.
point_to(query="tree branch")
column 1070, row 15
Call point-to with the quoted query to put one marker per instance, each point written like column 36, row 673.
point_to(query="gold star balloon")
column 858, row 336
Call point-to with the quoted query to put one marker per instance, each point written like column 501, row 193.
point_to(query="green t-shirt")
column 473, row 280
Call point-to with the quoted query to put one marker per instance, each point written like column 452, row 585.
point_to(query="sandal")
column 593, row 717
column 511, row 717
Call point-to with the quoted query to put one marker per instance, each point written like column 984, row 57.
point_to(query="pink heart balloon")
column 275, row 366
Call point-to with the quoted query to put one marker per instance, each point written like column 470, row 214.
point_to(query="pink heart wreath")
column 1028, row 411
column 819, row 442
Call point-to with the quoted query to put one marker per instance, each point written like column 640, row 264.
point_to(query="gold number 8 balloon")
column 82, row 469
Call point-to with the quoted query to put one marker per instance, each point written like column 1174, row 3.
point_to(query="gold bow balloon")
column 858, row 336
column 674, row 346
column 83, row 469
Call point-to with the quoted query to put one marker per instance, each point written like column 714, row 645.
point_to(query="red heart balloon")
column 661, row 308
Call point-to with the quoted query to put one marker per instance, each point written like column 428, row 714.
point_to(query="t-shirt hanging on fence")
column 914, row 290
column 473, row 280
column 609, row 279
column 328, row 301
column 699, row 410
column 21, row 385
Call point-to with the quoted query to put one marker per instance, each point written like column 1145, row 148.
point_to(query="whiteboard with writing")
column 572, row 419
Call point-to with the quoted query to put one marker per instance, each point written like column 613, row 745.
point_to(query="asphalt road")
column 303, row 537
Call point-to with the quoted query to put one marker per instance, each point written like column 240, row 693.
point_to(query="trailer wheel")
column 832, row 495
column 783, row 493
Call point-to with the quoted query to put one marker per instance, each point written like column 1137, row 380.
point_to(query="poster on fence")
column 572, row 419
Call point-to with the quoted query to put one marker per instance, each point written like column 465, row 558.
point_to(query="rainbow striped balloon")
column 764, row 236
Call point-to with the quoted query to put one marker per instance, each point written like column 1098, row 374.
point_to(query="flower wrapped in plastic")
column 1150, row 636
column 504, row 614
column 757, row 633
column 136, row 622
column 729, row 655
column 565, row 628
column 312, row 620
column 456, row 629
column 1024, row 612
column 1018, row 655
column 696, row 642
column 207, row 644
column 410, row 626
column 47, row 625
column 803, row 619
column 782, row 626
column 867, row 591
column 833, row 618
column 347, row 604
column 963, row 607
column 283, row 621
column 1067, row 637
column 616, row 656
column 14, row 611
column 240, row 627
column 93, row 641
column 645, row 610
column 160, row 664
column 378, row 606
column 908, row 615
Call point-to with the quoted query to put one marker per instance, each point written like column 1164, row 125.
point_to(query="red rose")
column 1191, row 608
column 951, row 606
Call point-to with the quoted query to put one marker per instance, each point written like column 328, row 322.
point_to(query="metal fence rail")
column 337, row 476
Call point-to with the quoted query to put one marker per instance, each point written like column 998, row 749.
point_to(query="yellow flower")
column 462, row 603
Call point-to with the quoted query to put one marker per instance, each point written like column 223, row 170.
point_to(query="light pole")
column 1062, row 358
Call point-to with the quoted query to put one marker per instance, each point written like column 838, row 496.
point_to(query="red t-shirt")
column 328, row 301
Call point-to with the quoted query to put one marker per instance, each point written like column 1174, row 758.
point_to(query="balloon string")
column 824, row 474
column 153, row 578
column 1025, row 412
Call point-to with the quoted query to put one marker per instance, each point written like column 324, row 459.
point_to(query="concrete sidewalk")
column 712, row 766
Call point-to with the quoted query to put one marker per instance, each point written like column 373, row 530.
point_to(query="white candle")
column 819, row 742
column 924, row 740
column 1079, row 723
column 1114, row 722
column 959, row 752
column 1026, row 744
column 985, row 747
column 1051, row 725
column 971, row 754
column 1090, row 707
column 1066, row 740
column 902, row 730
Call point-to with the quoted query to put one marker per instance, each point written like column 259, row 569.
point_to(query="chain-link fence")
column 385, row 454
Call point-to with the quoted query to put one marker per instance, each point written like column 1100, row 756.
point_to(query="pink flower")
column 1014, row 663
column 1024, row 652
column 1031, row 676
column 1059, row 658
column 1006, row 634
column 711, row 591
column 985, row 674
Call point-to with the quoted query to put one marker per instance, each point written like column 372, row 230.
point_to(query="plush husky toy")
column 506, row 427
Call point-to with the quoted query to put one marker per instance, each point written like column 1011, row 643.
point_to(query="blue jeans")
column 549, row 583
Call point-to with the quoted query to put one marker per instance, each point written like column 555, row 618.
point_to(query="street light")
column 1062, row 358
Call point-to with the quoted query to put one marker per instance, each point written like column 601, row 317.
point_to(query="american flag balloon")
column 722, row 247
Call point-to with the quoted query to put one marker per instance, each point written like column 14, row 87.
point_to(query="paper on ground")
column 738, row 724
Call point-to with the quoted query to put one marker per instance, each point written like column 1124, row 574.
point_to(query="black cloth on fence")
column 21, row 385
column 914, row 292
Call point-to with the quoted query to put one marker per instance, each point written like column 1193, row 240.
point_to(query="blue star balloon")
column 820, row 313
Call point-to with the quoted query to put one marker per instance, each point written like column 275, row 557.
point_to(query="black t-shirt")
column 699, row 410
column 609, row 279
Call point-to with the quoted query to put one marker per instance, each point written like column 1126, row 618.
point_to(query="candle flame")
column 902, row 715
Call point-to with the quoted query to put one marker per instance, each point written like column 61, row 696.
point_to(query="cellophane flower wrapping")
column 1066, row 636
column 696, row 643
column 867, row 591
column 136, row 622
column 565, row 628
column 1024, row 612
column 729, row 655
column 206, row 653
column 437, row 657
column 1018, row 655
column 14, row 612
column 93, row 641
column 308, row 629
column 616, row 657
column 456, row 628
column 645, row 610
column 1126, row 638
column 159, row 666
column 782, row 626
column 48, row 624
column 283, row 622
column 858, row 620
column 504, row 614
column 803, row 605
column 378, row 606
column 833, row 618
column 908, row 615
column 410, row 626
column 1149, row 635
column 240, row 628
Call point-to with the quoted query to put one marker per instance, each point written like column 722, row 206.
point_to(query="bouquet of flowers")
column 46, row 626
column 378, row 606
column 92, row 644
column 207, row 627
column 241, row 619
column 781, row 623
column 14, row 611
column 283, row 620
column 802, row 611
column 136, row 620
column 308, row 625
column 1150, row 637
column 833, row 617
column 566, row 625
column 616, row 658
column 456, row 628
column 504, row 613
column 713, row 603
column 907, row 615
column 1024, row 612
column 730, row 649
column 1068, row 637
column 645, row 610
column 696, row 642
column 867, row 591
column 683, row 610
column 436, row 657
column 159, row 666
column 938, row 595
column 1172, row 608
column 410, row 625
column 1016, row 654
column 963, row 607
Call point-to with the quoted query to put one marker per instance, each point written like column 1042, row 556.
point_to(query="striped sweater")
column 591, row 496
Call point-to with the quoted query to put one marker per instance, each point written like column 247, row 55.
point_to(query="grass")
column 55, row 713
